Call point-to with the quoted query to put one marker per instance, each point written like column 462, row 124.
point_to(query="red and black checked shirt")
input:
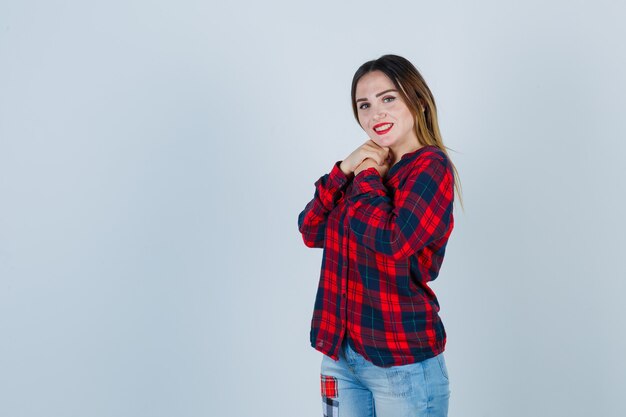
column 383, row 240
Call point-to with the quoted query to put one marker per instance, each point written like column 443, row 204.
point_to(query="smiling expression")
column 383, row 114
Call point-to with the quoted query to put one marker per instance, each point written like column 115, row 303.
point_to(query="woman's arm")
column 419, row 214
column 312, row 220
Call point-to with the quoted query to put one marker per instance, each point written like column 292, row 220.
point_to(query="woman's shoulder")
column 423, row 159
column 429, row 152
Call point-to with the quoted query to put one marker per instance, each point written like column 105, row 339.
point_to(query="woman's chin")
column 382, row 141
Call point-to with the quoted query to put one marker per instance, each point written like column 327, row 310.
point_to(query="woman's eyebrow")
column 379, row 94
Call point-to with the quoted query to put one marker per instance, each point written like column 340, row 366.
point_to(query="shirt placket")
column 345, row 268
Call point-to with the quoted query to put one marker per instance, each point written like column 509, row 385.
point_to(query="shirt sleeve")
column 328, row 190
column 419, row 213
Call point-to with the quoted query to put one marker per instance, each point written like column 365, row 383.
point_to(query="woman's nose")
column 379, row 115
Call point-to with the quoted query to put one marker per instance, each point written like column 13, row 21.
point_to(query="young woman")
column 383, row 216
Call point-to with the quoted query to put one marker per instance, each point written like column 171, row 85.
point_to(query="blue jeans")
column 355, row 387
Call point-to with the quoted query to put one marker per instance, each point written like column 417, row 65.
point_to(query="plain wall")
column 154, row 157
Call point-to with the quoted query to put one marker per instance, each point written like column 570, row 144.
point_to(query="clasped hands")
column 366, row 156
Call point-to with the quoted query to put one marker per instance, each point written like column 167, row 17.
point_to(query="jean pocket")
column 442, row 366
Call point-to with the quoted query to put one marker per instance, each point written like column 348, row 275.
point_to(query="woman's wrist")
column 345, row 170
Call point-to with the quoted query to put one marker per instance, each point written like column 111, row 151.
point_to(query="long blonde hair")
column 418, row 98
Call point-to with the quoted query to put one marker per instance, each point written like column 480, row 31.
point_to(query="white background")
column 155, row 155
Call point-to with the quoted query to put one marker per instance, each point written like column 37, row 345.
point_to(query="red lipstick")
column 382, row 132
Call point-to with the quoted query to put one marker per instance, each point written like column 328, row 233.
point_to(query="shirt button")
column 343, row 295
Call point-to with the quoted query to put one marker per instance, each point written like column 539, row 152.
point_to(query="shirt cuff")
column 336, row 177
column 367, row 181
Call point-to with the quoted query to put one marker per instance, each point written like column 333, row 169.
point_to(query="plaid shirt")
column 383, row 240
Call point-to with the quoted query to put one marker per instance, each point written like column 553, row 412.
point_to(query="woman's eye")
column 390, row 98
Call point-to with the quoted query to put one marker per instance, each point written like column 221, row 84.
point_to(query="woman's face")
column 383, row 115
